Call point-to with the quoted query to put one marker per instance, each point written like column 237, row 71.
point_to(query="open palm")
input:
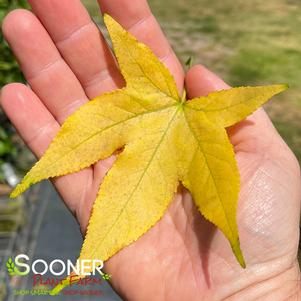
column 183, row 257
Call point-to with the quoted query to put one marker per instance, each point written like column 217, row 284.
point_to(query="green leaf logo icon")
column 106, row 276
column 12, row 269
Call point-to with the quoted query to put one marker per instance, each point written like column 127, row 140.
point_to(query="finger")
column 32, row 120
column 80, row 43
column 199, row 81
column 253, row 133
column 44, row 68
column 37, row 127
column 137, row 18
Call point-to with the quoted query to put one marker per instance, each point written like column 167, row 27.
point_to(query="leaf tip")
column 238, row 254
column 55, row 291
column 106, row 17
column 16, row 192
column 112, row 26
column 281, row 87
column 241, row 261
column 108, row 20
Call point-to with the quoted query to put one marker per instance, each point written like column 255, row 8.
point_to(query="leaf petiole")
column 183, row 98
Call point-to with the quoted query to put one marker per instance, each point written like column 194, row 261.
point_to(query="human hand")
column 183, row 257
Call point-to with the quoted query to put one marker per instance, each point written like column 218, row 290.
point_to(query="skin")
column 183, row 257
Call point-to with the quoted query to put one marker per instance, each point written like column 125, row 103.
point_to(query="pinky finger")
column 30, row 117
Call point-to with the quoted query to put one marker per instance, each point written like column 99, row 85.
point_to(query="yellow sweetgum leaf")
column 166, row 140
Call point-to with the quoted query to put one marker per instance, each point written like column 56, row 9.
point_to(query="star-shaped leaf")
column 165, row 140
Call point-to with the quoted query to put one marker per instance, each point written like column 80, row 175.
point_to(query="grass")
column 245, row 42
